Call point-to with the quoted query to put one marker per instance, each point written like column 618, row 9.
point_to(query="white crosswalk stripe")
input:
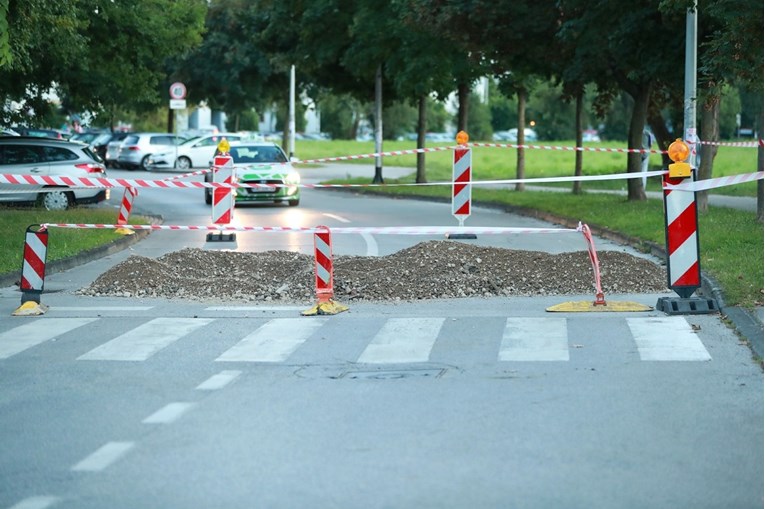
column 145, row 340
column 390, row 341
column 274, row 341
column 534, row 339
column 667, row 338
column 33, row 333
column 403, row 340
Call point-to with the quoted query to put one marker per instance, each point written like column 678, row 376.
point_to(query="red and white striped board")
column 33, row 265
column 127, row 204
column 461, row 186
column 322, row 240
column 223, row 198
column 681, row 227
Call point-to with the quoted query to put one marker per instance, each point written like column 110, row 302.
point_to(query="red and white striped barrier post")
column 322, row 240
column 600, row 299
column 681, row 232
column 461, row 184
column 33, row 272
column 125, row 208
column 222, row 197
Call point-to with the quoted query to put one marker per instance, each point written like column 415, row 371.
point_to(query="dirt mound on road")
column 429, row 270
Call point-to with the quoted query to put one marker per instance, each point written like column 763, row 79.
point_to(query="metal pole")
column 292, row 111
column 378, row 179
column 691, row 43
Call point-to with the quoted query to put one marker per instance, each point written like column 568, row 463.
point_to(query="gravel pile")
column 429, row 270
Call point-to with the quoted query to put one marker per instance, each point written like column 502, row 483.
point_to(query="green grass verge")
column 62, row 242
column 500, row 163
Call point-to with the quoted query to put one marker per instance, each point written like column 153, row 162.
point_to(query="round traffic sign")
column 178, row 91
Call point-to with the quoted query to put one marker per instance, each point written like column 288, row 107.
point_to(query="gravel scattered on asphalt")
column 429, row 270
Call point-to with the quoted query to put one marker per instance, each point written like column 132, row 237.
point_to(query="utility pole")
column 292, row 113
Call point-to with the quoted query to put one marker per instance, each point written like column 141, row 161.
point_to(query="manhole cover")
column 393, row 374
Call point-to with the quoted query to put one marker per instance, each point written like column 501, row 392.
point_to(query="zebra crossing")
column 394, row 340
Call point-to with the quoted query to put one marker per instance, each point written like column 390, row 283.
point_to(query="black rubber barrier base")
column 690, row 306
column 458, row 236
column 220, row 237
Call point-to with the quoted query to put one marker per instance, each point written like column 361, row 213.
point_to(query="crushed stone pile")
column 429, row 270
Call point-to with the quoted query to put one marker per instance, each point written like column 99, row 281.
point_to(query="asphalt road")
column 127, row 403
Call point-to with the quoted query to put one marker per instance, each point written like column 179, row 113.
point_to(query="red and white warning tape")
column 570, row 149
column 750, row 144
column 378, row 230
column 703, row 185
column 375, row 154
column 82, row 182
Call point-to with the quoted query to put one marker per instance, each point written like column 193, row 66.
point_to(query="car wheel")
column 143, row 163
column 183, row 163
column 294, row 203
column 208, row 197
column 56, row 200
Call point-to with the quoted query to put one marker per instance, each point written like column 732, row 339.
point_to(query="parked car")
column 261, row 163
column 100, row 143
column 113, row 149
column 137, row 148
column 512, row 135
column 8, row 132
column 41, row 133
column 192, row 153
column 40, row 157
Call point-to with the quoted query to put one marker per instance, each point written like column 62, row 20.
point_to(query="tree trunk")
column 635, row 191
column 578, row 163
column 661, row 134
column 378, row 178
column 170, row 120
column 760, row 186
column 422, row 127
column 520, row 168
column 463, row 96
column 710, row 131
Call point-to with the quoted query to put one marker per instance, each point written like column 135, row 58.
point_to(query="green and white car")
column 262, row 163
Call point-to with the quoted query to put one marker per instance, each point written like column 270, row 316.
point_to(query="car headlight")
column 293, row 179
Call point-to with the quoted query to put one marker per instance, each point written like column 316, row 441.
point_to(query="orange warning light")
column 462, row 138
column 678, row 151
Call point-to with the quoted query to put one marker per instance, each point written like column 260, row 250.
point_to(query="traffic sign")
column 177, row 91
column 177, row 104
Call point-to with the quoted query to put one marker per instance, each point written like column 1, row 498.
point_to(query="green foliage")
column 479, row 119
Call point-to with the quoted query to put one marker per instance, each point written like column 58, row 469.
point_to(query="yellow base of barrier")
column 586, row 306
column 329, row 307
column 30, row 308
column 124, row 231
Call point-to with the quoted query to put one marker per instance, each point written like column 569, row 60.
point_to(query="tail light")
column 91, row 167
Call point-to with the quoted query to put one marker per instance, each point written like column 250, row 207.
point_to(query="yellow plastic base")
column 329, row 307
column 124, row 231
column 588, row 306
column 30, row 308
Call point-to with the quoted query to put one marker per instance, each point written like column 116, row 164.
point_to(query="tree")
column 96, row 55
column 613, row 49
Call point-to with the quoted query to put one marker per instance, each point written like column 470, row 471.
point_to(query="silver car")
column 137, row 148
column 192, row 153
column 41, row 157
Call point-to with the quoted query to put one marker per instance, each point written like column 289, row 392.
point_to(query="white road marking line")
column 667, row 338
column 102, row 308
column 39, row 502
column 403, row 340
column 255, row 308
column 274, row 341
column 219, row 381
column 168, row 413
column 534, row 339
column 145, row 340
column 336, row 217
column 104, row 456
column 31, row 334
column 372, row 248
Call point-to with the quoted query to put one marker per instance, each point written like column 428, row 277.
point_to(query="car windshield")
column 189, row 141
column 256, row 154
